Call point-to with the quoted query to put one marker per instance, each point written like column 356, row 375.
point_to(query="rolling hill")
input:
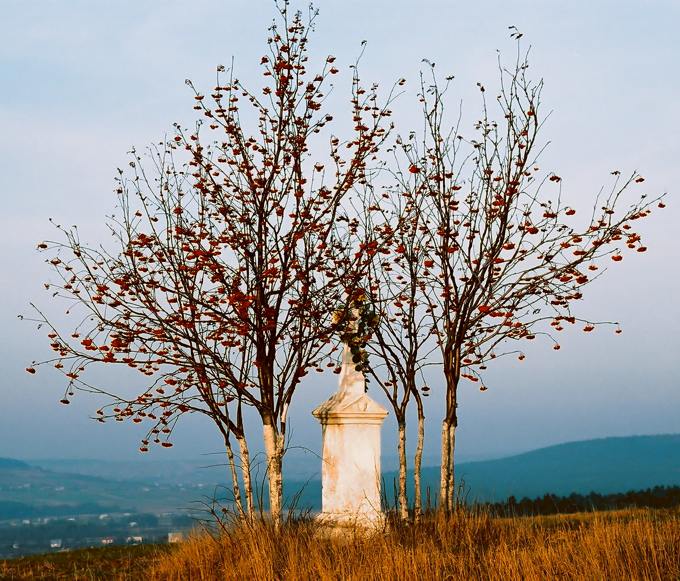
column 605, row 466
column 28, row 491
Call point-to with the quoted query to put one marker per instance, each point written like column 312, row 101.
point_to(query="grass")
column 114, row 563
column 639, row 544
column 633, row 544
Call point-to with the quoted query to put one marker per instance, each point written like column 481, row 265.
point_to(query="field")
column 633, row 544
column 119, row 563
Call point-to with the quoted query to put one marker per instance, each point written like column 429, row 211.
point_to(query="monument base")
column 342, row 525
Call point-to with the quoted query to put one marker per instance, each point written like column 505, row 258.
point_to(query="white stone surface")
column 350, row 474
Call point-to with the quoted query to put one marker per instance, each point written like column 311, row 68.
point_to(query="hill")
column 11, row 464
column 604, row 466
column 28, row 491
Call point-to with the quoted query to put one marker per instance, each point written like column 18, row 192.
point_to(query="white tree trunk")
column 451, row 501
column 236, row 488
column 403, row 497
column 245, row 473
column 447, row 491
column 273, row 445
column 417, row 469
column 444, row 478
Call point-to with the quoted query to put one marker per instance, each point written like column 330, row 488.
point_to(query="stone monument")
column 350, row 474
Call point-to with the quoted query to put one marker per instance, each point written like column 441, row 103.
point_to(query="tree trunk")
column 447, row 491
column 236, row 487
column 273, row 445
column 444, row 477
column 417, row 464
column 245, row 473
column 451, row 485
column 403, row 498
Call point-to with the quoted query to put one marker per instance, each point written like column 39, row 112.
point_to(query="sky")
column 83, row 81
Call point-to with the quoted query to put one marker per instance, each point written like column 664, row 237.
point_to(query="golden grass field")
column 634, row 544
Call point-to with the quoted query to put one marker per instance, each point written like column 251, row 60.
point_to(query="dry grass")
column 635, row 544
column 115, row 563
column 640, row 544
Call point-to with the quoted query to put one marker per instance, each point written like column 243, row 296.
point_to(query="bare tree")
column 231, row 253
column 506, row 259
column 401, row 344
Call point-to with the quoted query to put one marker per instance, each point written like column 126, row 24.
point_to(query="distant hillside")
column 11, row 464
column 206, row 469
column 603, row 466
column 28, row 491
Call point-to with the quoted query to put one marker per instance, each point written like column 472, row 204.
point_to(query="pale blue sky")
column 83, row 81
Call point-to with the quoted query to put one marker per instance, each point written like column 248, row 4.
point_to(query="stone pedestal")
column 350, row 475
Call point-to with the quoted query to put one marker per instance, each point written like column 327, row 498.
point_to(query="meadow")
column 472, row 544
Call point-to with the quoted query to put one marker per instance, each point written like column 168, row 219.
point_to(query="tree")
column 504, row 254
column 401, row 343
column 230, row 258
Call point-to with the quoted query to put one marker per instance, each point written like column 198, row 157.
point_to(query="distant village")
column 58, row 534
